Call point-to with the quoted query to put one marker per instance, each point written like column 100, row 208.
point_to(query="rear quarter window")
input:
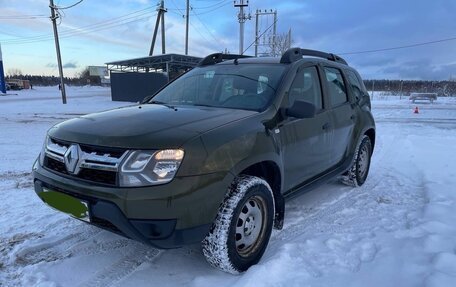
column 356, row 86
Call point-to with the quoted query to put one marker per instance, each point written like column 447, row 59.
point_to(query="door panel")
column 343, row 123
column 306, row 142
column 306, row 148
column 342, row 114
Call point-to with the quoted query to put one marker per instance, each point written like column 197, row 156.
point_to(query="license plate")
column 65, row 203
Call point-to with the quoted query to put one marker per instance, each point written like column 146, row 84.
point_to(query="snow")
column 396, row 230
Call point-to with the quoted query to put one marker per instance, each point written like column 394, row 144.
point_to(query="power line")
column 399, row 47
column 86, row 29
column 105, row 27
column 199, row 32
column 203, row 8
column 212, row 10
column 264, row 32
column 210, row 6
column 205, row 26
column 101, row 23
column 199, row 19
column 82, row 32
column 179, row 9
column 67, row 7
column 177, row 13
column 23, row 17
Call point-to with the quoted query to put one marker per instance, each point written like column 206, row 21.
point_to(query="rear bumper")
column 165, row 216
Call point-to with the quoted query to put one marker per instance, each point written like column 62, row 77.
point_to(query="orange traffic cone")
column 416, row 111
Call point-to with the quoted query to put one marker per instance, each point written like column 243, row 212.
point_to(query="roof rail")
column 295, row 54
column 218, row 58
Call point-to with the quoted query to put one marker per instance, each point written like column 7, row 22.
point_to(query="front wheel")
column 241, row 230
column 357, row 174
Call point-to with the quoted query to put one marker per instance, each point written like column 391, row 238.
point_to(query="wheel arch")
column 270, row 171
column 371, row 134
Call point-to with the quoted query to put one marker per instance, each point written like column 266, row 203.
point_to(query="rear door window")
column 336, row 86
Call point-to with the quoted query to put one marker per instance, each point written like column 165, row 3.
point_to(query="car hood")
column 147, row 126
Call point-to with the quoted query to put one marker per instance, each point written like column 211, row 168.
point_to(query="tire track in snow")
column 50, row 255
column 348, row 198
column 123, row 267
column 350, row 221
column 18, row 180
column 14, row 175
column 54, row 250
column 334, row 218
column 17, row 257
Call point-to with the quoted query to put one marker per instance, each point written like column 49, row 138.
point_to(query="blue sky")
column 329, row 25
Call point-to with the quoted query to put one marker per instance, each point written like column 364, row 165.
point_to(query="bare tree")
column 280, row 44
column 13, row 72
column 86, row 78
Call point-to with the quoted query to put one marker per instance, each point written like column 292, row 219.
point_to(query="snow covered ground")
column 397, row 230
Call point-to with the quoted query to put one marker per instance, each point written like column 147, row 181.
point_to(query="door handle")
column 353, row 117
column 326, row 126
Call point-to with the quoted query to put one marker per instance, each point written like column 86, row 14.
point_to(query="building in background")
column 18, row 84
column 99, row 75
column 133, row 80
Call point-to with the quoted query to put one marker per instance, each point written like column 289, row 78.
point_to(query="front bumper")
column 165, row 216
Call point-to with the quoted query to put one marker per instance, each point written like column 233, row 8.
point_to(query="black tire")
column 357, row 174
column 239, row 237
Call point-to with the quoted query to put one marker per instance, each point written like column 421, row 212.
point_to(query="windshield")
column 243, row 86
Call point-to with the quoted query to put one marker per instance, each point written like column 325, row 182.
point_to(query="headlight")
column 142, row 168
column 43, row 151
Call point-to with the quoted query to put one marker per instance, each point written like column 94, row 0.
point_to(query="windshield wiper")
column 204, row 105
column 163, row 104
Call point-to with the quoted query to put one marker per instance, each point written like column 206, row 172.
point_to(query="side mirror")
column 301, row 110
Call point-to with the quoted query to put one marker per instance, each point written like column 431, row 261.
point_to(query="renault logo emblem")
column 71, row 158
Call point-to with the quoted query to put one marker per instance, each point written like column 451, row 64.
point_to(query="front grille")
column 101, row 176
column 112, row 152
column 55, row 165
column 95, row 164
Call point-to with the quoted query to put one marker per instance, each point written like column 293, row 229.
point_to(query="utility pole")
column 257, row 16
column 57, row 47
column 160, row 16
column 242, row 18
column 162, row 8
column 274, row 35
column 273, row 40
column 186, row 27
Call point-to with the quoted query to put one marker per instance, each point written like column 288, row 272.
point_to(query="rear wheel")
column 241, row 231
column 357, row 174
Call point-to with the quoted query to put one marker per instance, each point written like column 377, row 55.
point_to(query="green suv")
column 212, row 156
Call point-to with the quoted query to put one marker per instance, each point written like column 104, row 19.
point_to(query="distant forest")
column 398, row 87
column 81, row 79
column 395, row 87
